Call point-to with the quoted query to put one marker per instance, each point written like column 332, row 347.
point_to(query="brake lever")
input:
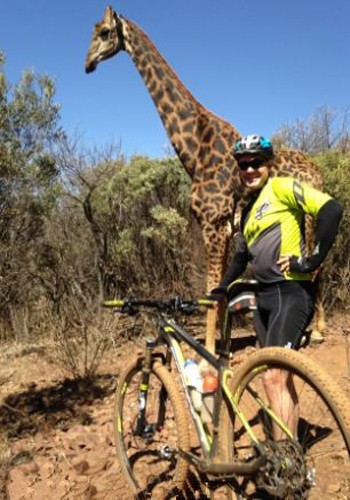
column 188, row 308
column 128, row 309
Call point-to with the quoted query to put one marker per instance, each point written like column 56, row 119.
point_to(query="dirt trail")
column 60, row 431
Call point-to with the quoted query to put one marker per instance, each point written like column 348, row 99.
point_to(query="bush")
column 335, row 167
column 143, row 214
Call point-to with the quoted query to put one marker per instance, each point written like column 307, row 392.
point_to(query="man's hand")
column 291, row 263
column 284, row 262
column 219, row 295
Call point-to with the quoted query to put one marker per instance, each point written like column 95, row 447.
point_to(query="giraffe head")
column 107, row 40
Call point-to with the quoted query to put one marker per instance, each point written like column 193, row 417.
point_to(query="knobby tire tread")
column 126, row 485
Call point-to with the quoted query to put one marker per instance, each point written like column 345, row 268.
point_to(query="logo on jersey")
column 262, row 210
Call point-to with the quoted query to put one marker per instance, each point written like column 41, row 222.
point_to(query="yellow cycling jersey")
column 275, row 226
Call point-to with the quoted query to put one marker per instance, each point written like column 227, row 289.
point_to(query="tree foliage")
column 29, row 187
column 335, row 167
column 327, row 129
column 137, row 215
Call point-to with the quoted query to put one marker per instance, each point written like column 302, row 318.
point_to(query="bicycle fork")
column 142, row 427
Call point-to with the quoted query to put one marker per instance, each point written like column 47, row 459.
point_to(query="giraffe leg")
column 212, row 317
column 216, row 249
column 210, row 339
column 320, row 320
column 319, row 323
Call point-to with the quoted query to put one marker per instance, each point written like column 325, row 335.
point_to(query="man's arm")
column 327, row 224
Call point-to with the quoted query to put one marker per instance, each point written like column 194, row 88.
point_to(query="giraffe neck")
column 191, row 128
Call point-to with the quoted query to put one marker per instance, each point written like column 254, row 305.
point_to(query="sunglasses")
column 255, row 164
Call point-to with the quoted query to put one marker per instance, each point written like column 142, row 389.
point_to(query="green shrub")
column 335, row 167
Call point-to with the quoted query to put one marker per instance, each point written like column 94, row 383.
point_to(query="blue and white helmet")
column 253, row 144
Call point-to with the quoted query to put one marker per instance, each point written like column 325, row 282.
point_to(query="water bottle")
column 210, row 384
column 194, row 382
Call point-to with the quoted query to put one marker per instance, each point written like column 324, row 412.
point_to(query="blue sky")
column 256, row 64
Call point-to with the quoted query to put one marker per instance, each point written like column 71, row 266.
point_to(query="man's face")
column 253, row 171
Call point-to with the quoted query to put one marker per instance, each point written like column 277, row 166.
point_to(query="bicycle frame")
column 171, row 333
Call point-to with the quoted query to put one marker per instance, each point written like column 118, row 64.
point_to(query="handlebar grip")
column 114, row 303
column 206, row 302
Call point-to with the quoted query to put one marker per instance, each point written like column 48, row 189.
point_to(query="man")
column 272, row 240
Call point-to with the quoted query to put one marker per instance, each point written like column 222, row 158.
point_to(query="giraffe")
column 202, row 141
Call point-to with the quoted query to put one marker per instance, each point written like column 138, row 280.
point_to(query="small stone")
column 30, row 468
column 80, row 464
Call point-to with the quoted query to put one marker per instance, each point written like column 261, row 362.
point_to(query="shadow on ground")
column 59, row 406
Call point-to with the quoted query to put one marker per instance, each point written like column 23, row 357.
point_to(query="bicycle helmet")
column 253, row 144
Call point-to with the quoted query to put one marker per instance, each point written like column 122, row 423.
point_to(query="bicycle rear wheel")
column 150, row 462
column 316, row 464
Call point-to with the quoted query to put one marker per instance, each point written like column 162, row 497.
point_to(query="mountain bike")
column 156, row 415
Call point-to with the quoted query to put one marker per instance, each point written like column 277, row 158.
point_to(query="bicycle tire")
column 151, row 466
column 318, row 464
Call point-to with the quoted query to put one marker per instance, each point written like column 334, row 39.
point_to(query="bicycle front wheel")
column 313, row 464
column 149, row 460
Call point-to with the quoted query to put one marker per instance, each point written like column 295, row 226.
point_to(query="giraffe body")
column 202, row 140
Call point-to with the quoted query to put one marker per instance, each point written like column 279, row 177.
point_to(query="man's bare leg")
column 282, row 396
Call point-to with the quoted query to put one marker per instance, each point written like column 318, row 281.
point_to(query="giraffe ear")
column 108, row 13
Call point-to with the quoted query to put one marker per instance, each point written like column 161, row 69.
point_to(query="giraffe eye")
column 104, row 34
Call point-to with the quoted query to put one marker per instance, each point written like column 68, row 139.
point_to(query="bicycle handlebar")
column 131, row 306
column 177, row 304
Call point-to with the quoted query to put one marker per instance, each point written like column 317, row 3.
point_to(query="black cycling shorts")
column 285, row 309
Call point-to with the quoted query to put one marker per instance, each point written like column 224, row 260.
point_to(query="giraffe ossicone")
column 202, row 141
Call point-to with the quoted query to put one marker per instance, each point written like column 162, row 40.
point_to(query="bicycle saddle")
column 241, row 295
